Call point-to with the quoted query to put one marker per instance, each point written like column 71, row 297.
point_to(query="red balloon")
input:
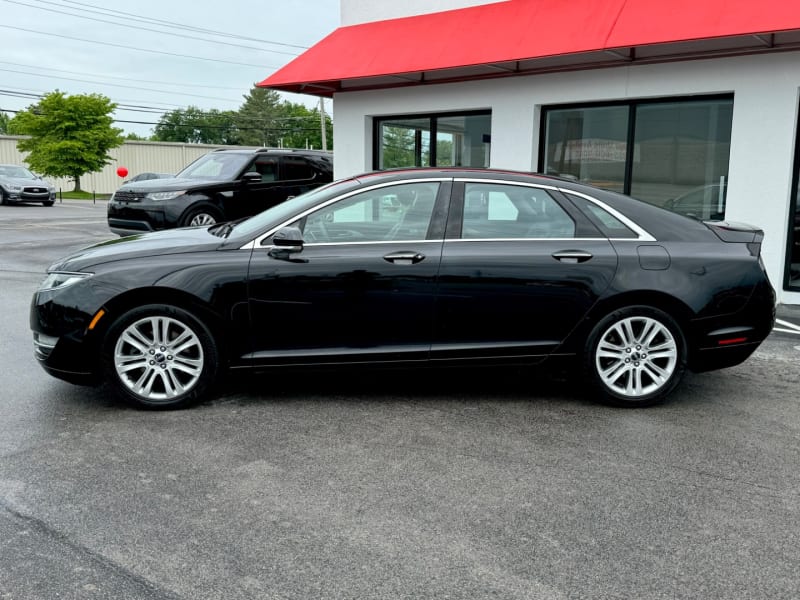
column 122, row 171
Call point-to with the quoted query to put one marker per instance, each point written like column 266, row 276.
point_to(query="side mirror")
column 252, row 177
column 288, row 239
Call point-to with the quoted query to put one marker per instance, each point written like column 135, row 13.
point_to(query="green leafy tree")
column 301, row 127
column 135, row 137
column 193, row 125
column 398, row 147
column 69, row 135
column 4, row 119
column 257, row 118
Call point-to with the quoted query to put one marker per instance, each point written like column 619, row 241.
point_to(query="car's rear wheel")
column 635, row 357
column 204, row 215
column 159, row 356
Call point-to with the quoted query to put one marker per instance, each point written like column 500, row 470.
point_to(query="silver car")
column 18, row 184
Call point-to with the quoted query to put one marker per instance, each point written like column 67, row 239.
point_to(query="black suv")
column 223, row 185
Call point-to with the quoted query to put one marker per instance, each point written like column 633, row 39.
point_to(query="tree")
column 300, row 127
column 265, row 120
column 4, row 119
column 194, row 125
column 257, row 117
column 69, row 135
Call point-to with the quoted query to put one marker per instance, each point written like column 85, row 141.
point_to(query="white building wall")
column 765, row 89
column 363, row 11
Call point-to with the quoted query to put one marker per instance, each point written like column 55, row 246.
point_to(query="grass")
column 83, row 196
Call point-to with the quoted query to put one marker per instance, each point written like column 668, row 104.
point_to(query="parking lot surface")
column 477, row 484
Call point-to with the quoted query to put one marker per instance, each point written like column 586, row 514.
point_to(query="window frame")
column 433, row 128
column 630, row 138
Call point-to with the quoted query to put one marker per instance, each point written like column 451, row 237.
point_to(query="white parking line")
column 791, row 327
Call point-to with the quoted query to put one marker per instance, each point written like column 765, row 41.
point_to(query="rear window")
column 295, row 167
column 610, row 225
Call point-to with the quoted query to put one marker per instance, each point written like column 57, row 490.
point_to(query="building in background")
column 688, row 105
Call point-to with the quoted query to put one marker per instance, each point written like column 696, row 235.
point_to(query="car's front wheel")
column 48, row 203
column 635, row 356
column 159, row 356
column 204, row 215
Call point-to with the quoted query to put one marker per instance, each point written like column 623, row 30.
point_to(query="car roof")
column 261, row 150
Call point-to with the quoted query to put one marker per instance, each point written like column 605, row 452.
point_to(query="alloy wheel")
column 636, row 356
column 158, row 358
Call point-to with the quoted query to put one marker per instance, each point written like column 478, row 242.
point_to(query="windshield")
column 287, row 209
column 15, row 171
column 217, row 166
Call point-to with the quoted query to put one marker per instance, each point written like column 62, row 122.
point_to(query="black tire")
column 201, row 215
column 634, row 357
column 160, row 357
column 3, row 200
column 48, row 203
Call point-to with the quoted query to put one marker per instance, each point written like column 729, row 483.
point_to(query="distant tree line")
column 262, row 120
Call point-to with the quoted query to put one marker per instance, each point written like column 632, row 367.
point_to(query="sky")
column 150, row 56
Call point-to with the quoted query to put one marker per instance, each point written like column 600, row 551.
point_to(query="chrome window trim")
column 644, row 236
column 543, row 186
column 256, row 242
column 530, row 239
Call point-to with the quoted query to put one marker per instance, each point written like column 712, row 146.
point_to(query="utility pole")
column 322, row 119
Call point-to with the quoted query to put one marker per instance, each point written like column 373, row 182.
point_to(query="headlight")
column 13, row 188
column 164, row 195
column 60, row 280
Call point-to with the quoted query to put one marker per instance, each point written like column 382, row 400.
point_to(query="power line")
column 172, row 24
column 139, row 27
column 66, row 37
column 103, row 75
column 133, row 87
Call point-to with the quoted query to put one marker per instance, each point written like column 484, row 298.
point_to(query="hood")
column 25, row 182
column 158, row 243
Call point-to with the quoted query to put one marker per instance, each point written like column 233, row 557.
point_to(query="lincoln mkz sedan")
column 412, row 268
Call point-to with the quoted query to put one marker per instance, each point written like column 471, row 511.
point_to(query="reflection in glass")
column 438, row 140
column 682, row 151
column 588, row 144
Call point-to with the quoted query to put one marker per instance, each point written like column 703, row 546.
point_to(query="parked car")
column 222, row 185
column 704, row 202
column 146, row 176
column 18, row 185
column 482, row 267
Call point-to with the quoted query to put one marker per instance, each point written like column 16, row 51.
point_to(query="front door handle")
column 404, row 257
column 572, row 256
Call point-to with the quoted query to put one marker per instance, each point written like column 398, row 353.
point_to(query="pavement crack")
column 99, row 560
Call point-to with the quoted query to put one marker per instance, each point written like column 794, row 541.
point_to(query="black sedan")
column 413, row 268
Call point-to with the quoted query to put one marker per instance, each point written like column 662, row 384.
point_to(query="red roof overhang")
column 533, row 36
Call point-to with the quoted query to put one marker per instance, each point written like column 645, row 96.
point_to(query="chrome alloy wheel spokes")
column 636, row 356
column 202, row 219
column 158, row 358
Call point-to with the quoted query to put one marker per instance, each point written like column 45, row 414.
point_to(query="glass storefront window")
column 588, row 144
column 681, row 158
column 433, row 141
column 793, row 261
column 672, row 153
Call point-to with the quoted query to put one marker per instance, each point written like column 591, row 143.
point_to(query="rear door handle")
column 572, row 256
column 404, row 258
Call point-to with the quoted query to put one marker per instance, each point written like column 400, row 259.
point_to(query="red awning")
column 528, row 36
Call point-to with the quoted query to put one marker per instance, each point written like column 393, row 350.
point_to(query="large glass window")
column 444, row 140
column 792, row 277
column 668, row 153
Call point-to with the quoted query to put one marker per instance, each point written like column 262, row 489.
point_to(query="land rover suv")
column 223, row 185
